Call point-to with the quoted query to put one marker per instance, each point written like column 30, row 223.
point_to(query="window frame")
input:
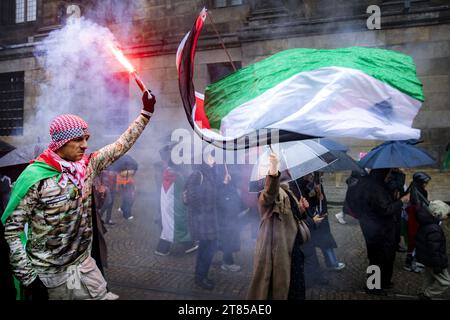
column 10, row 107
column 227, row 4
column 25, row 12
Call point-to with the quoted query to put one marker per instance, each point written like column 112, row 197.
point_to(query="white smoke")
column 81, row 78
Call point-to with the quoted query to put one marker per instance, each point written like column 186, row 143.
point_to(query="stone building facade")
column 251, row 30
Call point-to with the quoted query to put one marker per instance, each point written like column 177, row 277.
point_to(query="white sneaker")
column 192, row 249
column 161, row 253
column 130, row 218
column 231, row 267
column 340, row 217
column 420, row 265
column 339, row 266
column 111, row 296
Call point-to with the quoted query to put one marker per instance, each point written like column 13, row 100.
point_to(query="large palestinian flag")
column 354, row 92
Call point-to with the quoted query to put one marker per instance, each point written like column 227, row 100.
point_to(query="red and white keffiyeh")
column 74, row 171
column 64, row 128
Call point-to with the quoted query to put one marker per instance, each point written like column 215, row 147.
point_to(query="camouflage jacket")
column 60, row 219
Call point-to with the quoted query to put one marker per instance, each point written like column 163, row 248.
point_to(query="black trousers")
column 206, row 251
column 383, row 257
column 297, row 283
column 312, row 269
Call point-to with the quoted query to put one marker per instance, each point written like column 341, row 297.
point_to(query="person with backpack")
column 352, row 202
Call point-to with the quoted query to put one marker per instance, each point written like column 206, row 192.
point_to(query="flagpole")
column 221, row 40
column 228, row 55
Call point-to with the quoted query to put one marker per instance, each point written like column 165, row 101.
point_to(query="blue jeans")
column 330, row 257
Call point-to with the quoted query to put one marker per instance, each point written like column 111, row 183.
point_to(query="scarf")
column 74, row 171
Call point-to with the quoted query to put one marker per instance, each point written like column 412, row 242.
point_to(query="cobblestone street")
column 135, row 272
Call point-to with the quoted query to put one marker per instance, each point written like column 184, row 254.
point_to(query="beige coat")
column 278, row 229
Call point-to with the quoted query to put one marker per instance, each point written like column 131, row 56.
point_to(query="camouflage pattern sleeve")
column 14, row 227
column 110, row 153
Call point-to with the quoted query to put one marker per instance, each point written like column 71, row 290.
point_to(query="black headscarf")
column 379, row 175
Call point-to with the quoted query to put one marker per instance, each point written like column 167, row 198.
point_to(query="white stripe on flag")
column 332, row 101
column 167, row 214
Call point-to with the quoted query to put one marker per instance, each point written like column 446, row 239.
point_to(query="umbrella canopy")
column 5, row 148
column 332, row 145
column 396, row 154
column 343, row 163
column 22, row 155
column 297, row 159
column 125, row 162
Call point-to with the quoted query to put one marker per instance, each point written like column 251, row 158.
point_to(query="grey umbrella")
column 22, row 155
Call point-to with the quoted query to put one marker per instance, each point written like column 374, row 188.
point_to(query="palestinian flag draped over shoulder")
column 357, row 92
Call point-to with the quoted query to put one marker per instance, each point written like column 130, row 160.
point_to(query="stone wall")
column 252, row 32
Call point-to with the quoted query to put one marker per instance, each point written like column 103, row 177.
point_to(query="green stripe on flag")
column 394, row 68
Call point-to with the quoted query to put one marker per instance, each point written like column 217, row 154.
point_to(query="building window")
column 26, row 10
column 31, row 10
column 220, row 70
column 227, row 3
column 11, row 103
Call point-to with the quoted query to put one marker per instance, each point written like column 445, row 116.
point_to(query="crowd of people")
column 396, row 218
column 53, row 224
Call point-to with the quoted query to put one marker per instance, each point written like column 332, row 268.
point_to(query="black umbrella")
column 22, row 155
column 125, row 162
column 344, row 162
column 5, row 148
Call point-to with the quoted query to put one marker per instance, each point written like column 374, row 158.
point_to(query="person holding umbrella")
column 54, row 197
column 278, row 271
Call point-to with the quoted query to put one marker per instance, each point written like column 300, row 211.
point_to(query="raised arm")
column 272, row 184
column 110, row 153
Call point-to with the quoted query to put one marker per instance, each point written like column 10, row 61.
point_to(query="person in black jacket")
column 431, row 250
column 200, row 196
column 310, row 187
column 229, row 206
column 377, row 223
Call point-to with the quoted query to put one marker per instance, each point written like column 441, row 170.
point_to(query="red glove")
column 148, row 101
